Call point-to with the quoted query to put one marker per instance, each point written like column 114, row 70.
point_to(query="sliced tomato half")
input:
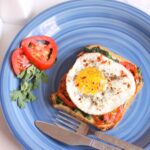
column 19, row 61
column 40, row 50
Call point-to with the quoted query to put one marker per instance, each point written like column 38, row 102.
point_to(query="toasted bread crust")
column 78, row 115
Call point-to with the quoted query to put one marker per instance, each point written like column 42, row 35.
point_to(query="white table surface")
column 7, row 141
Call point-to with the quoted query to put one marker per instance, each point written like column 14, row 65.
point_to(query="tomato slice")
column 111, row 117
column 66, row 101
column 98, row 120
column 131, row 68
column 62, row 93
column 19, row 61
column 119, row 113
column 40, row 50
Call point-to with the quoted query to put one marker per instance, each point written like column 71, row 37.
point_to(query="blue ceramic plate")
column 122, row 28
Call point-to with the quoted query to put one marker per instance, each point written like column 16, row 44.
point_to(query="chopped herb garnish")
column 44, row 77
column 21, row 103
column 55, row 60
column 101, row 117
column 76, row 110
column 16, row 94
column 58, row 100
column 110, row 57
column 104, row 53
column 96, row 49
column 116, row 60
column 21, row 75
column 83, row 113
column 87, row 49
column 139, row 70
column 99, row 50
column 88, row 116
column 30, row 79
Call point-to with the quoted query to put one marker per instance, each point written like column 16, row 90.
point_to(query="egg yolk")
column 90, row 81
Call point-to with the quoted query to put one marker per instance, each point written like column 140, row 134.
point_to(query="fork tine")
column 66, row 124
column 81, row 127
column 62, row 126
column 66, row 119
column 61, row 112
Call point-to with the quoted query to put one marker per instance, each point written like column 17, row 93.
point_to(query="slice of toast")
column 80, row 116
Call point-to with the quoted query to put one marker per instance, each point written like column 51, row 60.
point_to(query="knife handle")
column 101, row 146
column 115, row 141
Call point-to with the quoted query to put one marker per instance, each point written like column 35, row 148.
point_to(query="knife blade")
column 71, row 138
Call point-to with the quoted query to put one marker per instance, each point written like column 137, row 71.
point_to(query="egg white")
column 100, row 103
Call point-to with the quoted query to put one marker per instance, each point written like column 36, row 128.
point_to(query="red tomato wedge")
column 40, row 50
column 19, row 61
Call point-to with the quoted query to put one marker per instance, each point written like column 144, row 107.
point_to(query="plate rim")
column 36, row 21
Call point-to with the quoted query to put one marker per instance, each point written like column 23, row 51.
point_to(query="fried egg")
column 98, row 85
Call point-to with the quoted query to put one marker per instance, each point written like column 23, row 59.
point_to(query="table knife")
column 71, row 138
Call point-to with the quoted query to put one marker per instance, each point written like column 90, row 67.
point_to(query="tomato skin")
column 108, row 117
column 131, row 68
column 66, row 101
column 111, row 117
column 98, row 121
column 119, row 113
column 62, row 93
column 19, row 61
column 30, row 52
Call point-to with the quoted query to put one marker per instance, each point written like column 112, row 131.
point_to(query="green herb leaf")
column 58, row 100
column 24, row 86
column 76, row 110
column 35, row 84
column 104, row 52
column 31, row 96
column 83, row 113
column 30, row 79
column 95, row 49
column 99, row 50
column 55, row 61
column 27, row 100
column 21, row 96
column 44, row 77
column 101, row 117
column 31, row 70
column 15, row 95
column 87, row 49
column 139, row 70
column 27, row 76
column 109, row 56
column 116, row 60
column 21, row 75
column 37, row 71
column 88, row 116
column 21, row 103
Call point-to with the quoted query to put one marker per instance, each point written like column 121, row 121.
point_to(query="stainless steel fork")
column 71, row 123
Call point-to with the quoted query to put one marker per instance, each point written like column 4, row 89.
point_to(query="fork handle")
column 117, row 142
